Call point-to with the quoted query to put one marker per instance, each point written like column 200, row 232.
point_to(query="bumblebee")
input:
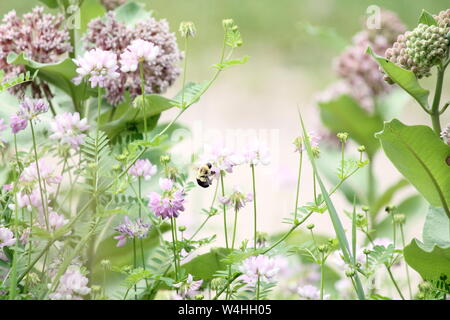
column 204, row 174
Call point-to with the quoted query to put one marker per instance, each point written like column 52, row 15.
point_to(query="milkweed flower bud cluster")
column 161, row 71
column 360, row 77
column 420, row 50
column 41, row 36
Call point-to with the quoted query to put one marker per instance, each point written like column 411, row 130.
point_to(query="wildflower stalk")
column 394, row 282
column 322, row 274
column 258, row 284
column 298, row 184
column 135, row 266
column 141, row 241
column 209, row 214
column 174, row 249
column 144, row 103
column 224, row 210
column 234, row 228
column 44, row 202
column 406, row 265
column 254, row 205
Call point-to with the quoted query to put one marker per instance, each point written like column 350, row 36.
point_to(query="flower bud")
column 199, row 297
column 349, row 273
column 362, row 148
column 181, row 228
column 399, row 218
column 310, row 226
column 187, row 29
column 164, row 159
column 342, row 136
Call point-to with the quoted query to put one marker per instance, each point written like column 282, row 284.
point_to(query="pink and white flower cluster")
column 310, row 292
column 69, row 129
column 139, row 51
column 73, row 284
column 237, row 199
column 259, row 267
column 143, row 168
column 6, row 238
column 170, row 203
column 187, row 289
column 130, row 230
column 28, row 110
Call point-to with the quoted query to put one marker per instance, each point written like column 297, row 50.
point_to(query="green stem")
column 254, row 206
column 174, row 250
column 135, row 266
column 13, row 276
column 258, row 284
column 394, row 282
column 234, row 228
column 144, row 103
column 44, row 203
column 298, row 184
column 209, row 215
column 406, row 265
column 436, row 101
column 185, row 70
column 224, row 211
column 322, row 275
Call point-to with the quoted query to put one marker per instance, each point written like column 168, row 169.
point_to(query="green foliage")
column 19, row 79
column 420, row 156
column 345, row 114
column 206, row 265
column 427, row 18
column 431, row 258
column 131, row 13
column 404, row 78
column 90, row 9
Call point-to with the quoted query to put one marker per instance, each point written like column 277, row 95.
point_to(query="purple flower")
column 139, row 51
column 6, row 237
column 170, row 203
column 257, row 153
column 188, row 289
column 261, row 266
column 69, row 129
column 143, row 168
column 237, row 199
column 98, row 65
column 17, row 123
column 128, row 229
column 56, row 221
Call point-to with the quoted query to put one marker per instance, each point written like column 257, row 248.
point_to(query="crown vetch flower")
column 189, row 288
column 73, row 284
column 30, row 175
column 69, row 129
column 310, row 292
column 56, row 221
column 257, row 153
column 170, row 204
column 143, row 168
column 222, row 158
column 139, row 51
column 107, row 33
column 98, row 66
column 261, row 266
column 17, row 123
column 237, row 199
column 130, row 230
column 6, row 237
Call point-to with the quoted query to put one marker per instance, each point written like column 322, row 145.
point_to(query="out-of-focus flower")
column 56, row 221
column 73, row 284
column 139, row 51
column 130, row 230
column 25, row 236
column 361, row 78
column 47, row 174
column 6, row 237
column 29, row 109
column 170, row 204
column 112, row 4
column 445, row 134
column 43, row 37
column 257, row 153
column 314, row 140
column 443, row 19
column 69, row 129
column 29, row 200
column 344, row 287
column 107, row 33
column 237, row 199
column 187, row 29
column 221, row 158
column 17, row 123
column 3, row 125
column 261, row 266
column 188, row 289
column 310, row 292
column 143, row 168
column 98, row 66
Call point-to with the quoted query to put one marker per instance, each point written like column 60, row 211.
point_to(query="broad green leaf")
column 53, row 4
column 420, row 156
column 59, row 74
column 345, row 115
column 436, row 229
column 427, row 18
column 430, row 263
column 131, row 13
column 126, row 116
column 431, row 259
column 206, row 265
column 89, row 10
column 404, row 78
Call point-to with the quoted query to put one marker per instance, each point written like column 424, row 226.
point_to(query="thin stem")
column 135, row 266
column 234, row 228
column 258, row 284
column 44, row 203
column 254, row 206
column 298, row 185
column 394, row 282
column 224, row 211
column 322, row 275
column 141, row 242
column 144, row 103
column 13, row 276
column 436, row 101
column 185, row 69
column 174, row 250
column 209, row 215
column 314, row 187
column 406, row 265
